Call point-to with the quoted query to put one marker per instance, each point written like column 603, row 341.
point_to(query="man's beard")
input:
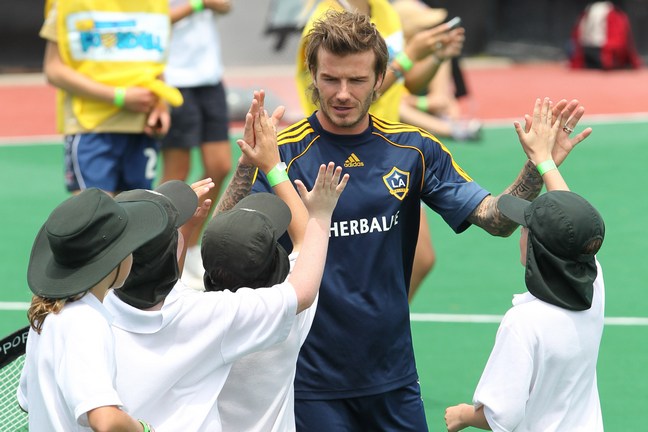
column 347, row 123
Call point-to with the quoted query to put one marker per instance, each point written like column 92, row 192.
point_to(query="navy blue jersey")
column 360, row 342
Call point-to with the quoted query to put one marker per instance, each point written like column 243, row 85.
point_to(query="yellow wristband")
column 277, row 174
column 404, row 61
column 197, row 5
column 546, row 166
column 119, row 100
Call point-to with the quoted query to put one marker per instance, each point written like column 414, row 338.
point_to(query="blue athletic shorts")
column 399, row 410
column 113, row 162
column 201, row 118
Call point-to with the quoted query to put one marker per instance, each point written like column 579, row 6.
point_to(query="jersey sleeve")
column 503, row 388
column 447, row 188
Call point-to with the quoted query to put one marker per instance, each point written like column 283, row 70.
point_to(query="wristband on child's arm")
column 119, row 98
column 146, row 426
column 277, row 174
column 197, row 5
column 546, row 166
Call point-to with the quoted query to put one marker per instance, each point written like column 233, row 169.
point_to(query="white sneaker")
column 192, row 274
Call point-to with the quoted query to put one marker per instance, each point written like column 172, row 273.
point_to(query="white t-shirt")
column 70, row 368
column 195, row 50
column 172, row 363
column 259, row 393
column 541, row 374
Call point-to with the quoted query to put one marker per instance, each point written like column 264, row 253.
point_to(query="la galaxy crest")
column 397, row 182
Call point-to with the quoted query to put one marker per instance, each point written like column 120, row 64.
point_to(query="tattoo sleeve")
column 527, row 185
column 238, row 188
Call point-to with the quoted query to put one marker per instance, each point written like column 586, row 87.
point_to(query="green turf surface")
column 475, row 273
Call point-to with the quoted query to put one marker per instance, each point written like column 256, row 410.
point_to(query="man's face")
column 346, row 87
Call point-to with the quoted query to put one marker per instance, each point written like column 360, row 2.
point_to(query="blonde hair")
column 41, row 307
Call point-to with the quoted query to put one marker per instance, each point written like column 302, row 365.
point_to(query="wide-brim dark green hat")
column 85, row 238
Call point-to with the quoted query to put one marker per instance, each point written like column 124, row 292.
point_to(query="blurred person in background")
column 106, row 59
column 436, row 109
column 195, row 66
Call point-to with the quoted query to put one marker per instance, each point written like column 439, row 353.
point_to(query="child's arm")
column 461, row 416
column 137, row 99
column 201, row 188
column 241, row 183
column 265, row 155
column 111, row 418
column 320, row 202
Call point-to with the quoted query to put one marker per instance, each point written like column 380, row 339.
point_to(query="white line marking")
column 425, row 317
column 495, row 319
column 5, row 306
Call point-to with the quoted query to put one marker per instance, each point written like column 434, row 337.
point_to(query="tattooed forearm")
column 238, row 188
column 527, row 185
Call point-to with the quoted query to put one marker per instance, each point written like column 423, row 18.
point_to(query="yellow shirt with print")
column 99, row 29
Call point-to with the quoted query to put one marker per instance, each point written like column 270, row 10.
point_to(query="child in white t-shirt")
column 541, row 374
column 83, row 250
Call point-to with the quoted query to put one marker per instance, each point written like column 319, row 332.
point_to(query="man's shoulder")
column 295, row 133
column 402, row 131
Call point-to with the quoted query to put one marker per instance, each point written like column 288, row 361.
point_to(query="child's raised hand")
column 539, row 138
column 328, row 187
column 265, row 153
column 201, row 188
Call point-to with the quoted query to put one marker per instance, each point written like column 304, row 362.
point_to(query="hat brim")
column 47, row 278
column 183, row 198
column 177, row 192
column 271, row 206
column 513, row 208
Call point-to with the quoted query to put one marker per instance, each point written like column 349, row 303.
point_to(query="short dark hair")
column 344, row 33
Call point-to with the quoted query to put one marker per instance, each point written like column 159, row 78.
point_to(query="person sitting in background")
column 435, row 109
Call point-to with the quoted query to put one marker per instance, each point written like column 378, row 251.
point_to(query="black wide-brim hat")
column 85, row 238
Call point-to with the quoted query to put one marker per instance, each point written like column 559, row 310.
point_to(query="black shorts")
column 203, row 117
column 397, row 410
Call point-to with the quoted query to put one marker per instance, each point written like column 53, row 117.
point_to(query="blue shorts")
column 113, row 162
column 397, row 410
column 201, row 118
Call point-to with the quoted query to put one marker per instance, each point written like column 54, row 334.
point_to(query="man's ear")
column 313, row 79
column 379, row 82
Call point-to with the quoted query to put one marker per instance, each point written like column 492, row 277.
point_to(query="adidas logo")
column 353, row 161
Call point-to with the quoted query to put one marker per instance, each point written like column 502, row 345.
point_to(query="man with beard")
column 356, row 370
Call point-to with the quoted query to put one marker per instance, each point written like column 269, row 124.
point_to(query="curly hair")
column 341, row 34
column 41, row 307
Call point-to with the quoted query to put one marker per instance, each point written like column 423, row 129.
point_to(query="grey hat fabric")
column 565, row 232
column 242, row 242
column 85, row 238
column 155, row 264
